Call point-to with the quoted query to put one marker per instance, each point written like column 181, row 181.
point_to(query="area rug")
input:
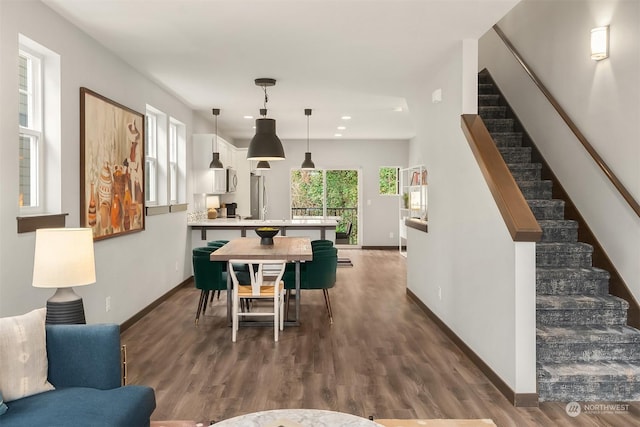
column 344, row 262
column 436, row 423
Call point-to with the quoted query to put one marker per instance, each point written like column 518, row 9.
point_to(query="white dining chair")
column 265, row 283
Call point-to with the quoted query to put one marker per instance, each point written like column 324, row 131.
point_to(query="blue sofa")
column 85, row 369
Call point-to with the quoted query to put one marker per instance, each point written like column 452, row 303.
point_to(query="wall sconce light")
column 600, row 43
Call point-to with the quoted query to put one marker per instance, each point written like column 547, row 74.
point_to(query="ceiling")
column 359, row 58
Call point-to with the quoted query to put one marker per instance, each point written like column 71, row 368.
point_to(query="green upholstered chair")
column 208, row 276
column 321, row 243
column 319, row 273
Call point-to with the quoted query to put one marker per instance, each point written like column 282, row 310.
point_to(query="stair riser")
column 554, row 287
column 611, row 317
column 513, row 139
column 485, row 89
column 563, row 259
column 499, row 125
column 488, row 100
column 587, row 352
column 523, row 175
column 550, row 211
column 536, row 190
column 559, row 234
column 592, row 392
column 516, row 155
column 492, row 112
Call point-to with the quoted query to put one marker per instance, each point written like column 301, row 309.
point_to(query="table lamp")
column 213, row 203
column 64, row 258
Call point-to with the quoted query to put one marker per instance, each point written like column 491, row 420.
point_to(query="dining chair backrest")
column 258, row 274
column 321, row 243
column 207, row 274
column 320, row 273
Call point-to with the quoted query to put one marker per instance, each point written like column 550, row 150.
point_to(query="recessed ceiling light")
column 248, row 117
column 398, row 109
column 337, row 134
column 341, row 127
column 346, row 117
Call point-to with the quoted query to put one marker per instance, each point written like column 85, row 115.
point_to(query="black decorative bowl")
column 266, row 234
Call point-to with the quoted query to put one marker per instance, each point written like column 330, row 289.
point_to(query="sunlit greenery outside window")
column 388, row 180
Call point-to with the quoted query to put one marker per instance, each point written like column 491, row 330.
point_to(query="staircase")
column 585, row 350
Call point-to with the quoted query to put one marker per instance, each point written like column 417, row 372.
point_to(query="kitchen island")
column 231, row 228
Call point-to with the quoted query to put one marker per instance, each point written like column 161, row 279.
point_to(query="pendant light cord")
column 266, row 99
column 307, row 133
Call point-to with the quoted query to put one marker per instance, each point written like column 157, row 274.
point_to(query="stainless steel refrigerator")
column 258, row 196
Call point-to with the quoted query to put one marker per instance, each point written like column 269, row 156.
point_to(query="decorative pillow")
column 3, row 407
column 23, row 355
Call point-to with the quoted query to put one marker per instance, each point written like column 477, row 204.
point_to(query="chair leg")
column 286, row 303
column 281, row 308
column 234, row 318
column 206, row 298
column 276, row 310
column 200, row 302
column 327, row 302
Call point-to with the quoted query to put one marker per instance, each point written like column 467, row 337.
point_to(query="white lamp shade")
column 63, row 258
column 213, row 202
column 600, row 43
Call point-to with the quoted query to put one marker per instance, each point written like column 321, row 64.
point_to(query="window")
column 151, row 158
column 30, row 136
column 39, row 129
column 177, row 142
column 388, row 180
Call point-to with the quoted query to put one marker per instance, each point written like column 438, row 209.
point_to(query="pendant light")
column 215, row 163
column 263, row 165
column 308, row 163
column 265, row 145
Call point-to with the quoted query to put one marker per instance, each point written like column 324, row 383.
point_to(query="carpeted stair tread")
column 588, row 334
column 580, row 302
column 485, row 89
column 603, row 371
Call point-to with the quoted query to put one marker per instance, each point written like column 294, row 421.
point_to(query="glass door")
column 328, row 193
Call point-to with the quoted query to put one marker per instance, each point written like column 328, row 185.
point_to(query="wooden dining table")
column 290, row 249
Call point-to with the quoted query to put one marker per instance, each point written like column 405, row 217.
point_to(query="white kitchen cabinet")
column 206, row 180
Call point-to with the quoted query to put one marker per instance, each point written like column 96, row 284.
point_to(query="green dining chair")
column 319, row 273
column 209, row 276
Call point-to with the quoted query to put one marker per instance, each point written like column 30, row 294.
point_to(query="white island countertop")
column 237, row 222
column 323, row 225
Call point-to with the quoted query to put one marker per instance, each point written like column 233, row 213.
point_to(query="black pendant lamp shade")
column 308, row 163
column 263, row 165
column 265, row 145
column 215, row 162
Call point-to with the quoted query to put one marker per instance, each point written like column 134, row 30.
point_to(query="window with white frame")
column 30, row 134
column 39, row 135
column 177, row 145
column 151, row 158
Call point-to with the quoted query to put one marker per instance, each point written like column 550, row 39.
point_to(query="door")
column 328, row 193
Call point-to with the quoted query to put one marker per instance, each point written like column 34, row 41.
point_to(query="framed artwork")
column 111, row 166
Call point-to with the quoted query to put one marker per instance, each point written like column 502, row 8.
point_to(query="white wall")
column 134, row 269
column 602, row 98
column 380, row 217
column 467, row 269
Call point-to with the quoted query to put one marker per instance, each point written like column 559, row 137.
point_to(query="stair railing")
column 583, row 140
column 516, row 213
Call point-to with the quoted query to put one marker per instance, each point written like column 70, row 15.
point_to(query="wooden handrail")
column 515, row 211
column 583, row 140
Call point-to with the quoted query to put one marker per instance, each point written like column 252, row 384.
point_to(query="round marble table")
column 297, row 417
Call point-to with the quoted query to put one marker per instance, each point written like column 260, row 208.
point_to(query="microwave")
column 232, row 180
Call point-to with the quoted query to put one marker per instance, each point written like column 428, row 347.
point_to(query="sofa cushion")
column 3, row 406
column 79, row 406
column 23, row 355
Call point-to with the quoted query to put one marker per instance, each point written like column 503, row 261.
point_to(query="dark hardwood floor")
column 381, row 357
